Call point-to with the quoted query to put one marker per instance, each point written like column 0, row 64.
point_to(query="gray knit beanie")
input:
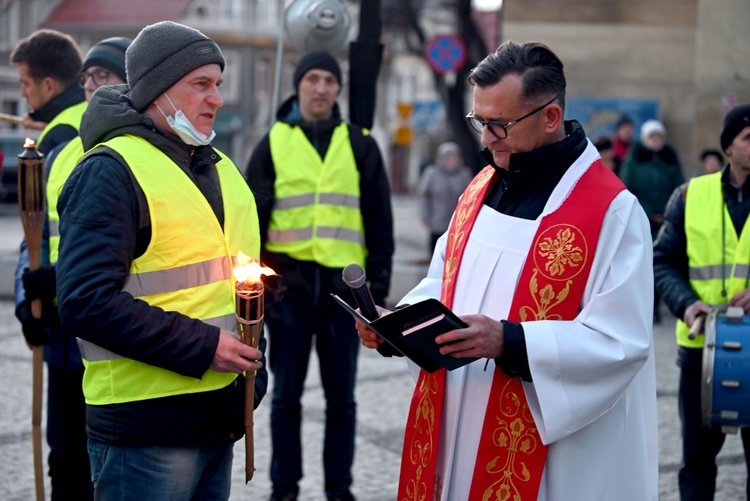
column 162, row 54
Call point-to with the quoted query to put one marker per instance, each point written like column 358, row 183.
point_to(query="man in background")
column 439, row 187
column 711, row 161
column 68, row 460
column 48, row 64
column 704, row 234
column 622, row 140
column 323, row 203
column 651, row 172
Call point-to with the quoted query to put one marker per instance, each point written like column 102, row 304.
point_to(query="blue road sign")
column 445, row 53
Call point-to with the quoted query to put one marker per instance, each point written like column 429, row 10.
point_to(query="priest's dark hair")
column 541, row 69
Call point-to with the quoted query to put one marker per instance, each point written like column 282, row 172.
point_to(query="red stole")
column 511, row 456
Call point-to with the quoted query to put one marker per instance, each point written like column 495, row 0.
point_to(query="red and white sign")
column 445, row 53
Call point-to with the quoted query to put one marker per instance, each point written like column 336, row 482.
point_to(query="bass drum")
column 725, row 384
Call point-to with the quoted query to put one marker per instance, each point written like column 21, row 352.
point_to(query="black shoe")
column 344, row 496
column 283, row 497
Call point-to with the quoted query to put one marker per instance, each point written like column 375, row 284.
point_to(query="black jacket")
column 308, row 279
column 61, row 133
column 670, row 249
column 104, row 225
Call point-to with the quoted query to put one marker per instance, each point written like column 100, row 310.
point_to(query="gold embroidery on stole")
column 560, row 253
column 421, row 450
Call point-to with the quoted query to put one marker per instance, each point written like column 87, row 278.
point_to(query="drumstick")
column 697, row 327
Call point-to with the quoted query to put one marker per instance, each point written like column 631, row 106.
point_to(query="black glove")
column 34, row 329
column 273, row 288
column 40, row 283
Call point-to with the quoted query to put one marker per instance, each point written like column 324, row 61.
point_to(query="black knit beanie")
column 162, row 54
column 737, row 119
column 316, row 60
column 108, row 54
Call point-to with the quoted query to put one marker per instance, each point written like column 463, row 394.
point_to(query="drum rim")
column 707, row 370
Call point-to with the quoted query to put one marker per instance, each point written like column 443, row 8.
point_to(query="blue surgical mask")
column 184, row 129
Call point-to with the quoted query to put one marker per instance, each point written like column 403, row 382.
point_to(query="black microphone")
column 354, row 276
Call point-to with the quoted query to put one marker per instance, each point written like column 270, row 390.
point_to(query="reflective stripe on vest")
column 186, row 269
column 716, row 257
column 151, row 283
column 69, row 116
column 316, row 214
column 93, row 353
column 60, row 170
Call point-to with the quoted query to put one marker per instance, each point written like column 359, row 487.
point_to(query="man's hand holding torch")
column 249, row 310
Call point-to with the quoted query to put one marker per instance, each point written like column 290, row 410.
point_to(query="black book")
column 412, row 331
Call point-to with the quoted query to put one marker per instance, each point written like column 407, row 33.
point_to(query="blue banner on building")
column 598, row 115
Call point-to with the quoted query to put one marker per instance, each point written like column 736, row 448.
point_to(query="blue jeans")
column 160, row 473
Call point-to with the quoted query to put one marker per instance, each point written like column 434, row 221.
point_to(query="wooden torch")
column 249, row 310
column 31, row 202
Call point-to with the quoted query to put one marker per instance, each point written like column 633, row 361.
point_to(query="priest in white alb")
column 548, row 260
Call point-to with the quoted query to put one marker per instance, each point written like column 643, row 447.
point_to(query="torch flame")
column 29, row 143
column 249, row 270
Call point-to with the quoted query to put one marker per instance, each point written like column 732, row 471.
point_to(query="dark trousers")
column 700, row 444
column 69, row 466
column 433, row 241
column 293, row 325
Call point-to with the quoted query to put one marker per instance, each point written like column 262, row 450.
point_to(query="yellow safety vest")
column 187, row 268
column 64, row 163
column 316, row 215
column 717, row 258
column 69, row 116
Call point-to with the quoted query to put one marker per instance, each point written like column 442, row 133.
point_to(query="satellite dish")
column 317, row 24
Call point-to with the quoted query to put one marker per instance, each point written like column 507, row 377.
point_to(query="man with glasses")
column 548, row 261
column 66, row 418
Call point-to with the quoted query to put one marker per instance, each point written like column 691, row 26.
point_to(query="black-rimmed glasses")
column 100, row 77
column 500, row 130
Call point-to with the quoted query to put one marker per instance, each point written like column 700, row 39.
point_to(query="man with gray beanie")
column 323, row 204
column 707, row 215
column 151, row 220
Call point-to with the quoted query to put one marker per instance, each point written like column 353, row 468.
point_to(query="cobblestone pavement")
column 383, row 392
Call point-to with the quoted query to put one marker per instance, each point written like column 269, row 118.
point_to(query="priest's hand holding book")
column 483, row 338
column 369, row 337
